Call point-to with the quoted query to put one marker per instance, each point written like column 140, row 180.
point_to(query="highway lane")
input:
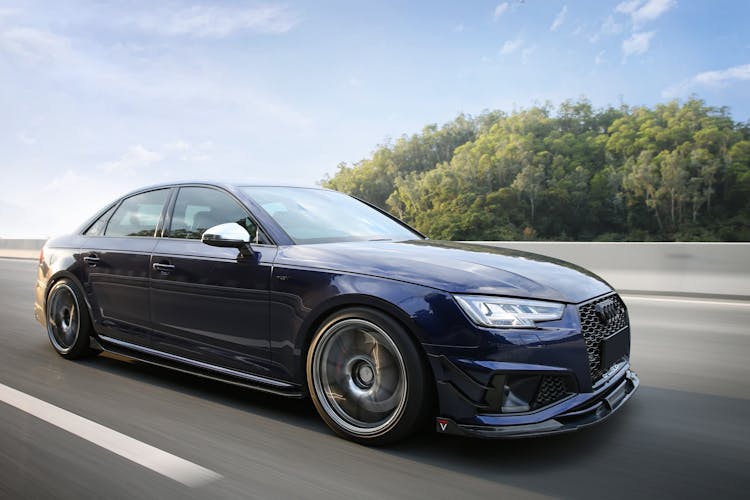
column 683, row 435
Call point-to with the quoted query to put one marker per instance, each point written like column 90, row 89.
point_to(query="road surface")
column 683, row 435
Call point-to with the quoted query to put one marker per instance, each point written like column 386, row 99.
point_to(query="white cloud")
column 651, row 10
column 136, row 157
column 187, row 151
column 628, row 7
column 63, row 183
column 213, row 21
column 34, row 45
column 501, row 9
column 5, row 12
column 724, row 77
column 511, row 46
column 599, row 59
column 25, row 138
column 55, row 56
column 643, row 11
column 559, row 19
column 609, row 27
column 89, row 191
column 709, row 79
column 638, row 43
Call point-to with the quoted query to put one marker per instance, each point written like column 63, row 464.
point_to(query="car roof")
column 230, row 185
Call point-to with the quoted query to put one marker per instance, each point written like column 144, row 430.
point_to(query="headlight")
column 508, row 313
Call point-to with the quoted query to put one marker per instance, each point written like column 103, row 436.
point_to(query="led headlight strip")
column 508, row 313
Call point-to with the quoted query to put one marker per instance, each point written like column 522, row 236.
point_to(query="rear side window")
column 197, row 209
column 138, row 215
column 98, row 227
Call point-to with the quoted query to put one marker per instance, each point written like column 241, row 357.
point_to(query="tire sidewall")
column 81, row 344
column 414, row 366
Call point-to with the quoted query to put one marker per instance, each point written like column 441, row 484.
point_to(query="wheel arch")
column 315, row 319
column 66, row 274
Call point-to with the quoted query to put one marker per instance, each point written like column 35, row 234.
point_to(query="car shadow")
column 478, row 457
column 292, row 410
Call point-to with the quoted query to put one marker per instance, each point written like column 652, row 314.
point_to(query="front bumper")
column 597, row 407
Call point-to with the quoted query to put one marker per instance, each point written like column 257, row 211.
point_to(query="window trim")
column 101, row 213
column 173, row 202
column 291, row 240
column 116, row 205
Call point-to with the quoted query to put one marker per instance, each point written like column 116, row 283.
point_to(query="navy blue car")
column 306, row 292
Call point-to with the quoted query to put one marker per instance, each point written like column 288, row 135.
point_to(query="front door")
column 210, row 304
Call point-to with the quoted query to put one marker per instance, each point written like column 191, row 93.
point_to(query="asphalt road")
column 684, row 434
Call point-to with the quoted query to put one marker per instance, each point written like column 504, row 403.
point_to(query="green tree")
column 672, row 171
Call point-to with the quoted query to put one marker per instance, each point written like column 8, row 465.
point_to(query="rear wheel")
column 68, row 321
column 366, row 377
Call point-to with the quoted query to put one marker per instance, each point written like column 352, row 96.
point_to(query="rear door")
column 115, row 256
column 210, row 304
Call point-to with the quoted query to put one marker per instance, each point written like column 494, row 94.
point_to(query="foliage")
column 675, row 172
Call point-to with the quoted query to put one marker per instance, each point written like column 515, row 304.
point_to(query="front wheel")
column 366, row 377
column 68, row 321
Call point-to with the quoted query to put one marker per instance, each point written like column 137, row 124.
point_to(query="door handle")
column 165, row 268
column 91, row 260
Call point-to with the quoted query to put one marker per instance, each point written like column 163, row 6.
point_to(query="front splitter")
column 594, row 412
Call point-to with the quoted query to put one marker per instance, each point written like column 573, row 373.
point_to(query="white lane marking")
column 159, row 461
column 687, row 301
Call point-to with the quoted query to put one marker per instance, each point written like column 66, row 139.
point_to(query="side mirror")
column 229, row 235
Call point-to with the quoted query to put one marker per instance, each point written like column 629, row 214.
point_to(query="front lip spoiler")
column 580, row 418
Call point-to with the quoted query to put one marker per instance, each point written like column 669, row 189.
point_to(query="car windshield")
column 310, row 215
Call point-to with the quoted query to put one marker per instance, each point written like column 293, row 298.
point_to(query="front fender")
column 300, row 299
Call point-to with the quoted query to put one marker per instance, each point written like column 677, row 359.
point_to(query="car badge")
column 607, row 310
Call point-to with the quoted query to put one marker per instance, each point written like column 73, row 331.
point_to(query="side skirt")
column 198, row 368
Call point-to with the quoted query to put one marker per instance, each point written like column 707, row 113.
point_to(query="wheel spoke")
column 360, row 376
column 63, row 321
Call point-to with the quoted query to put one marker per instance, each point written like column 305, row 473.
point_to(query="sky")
column 99, row 98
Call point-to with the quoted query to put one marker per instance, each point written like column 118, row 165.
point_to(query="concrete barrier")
column 20, row 249
column 699, row 269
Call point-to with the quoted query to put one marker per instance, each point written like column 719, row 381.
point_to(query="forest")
column 672, row 172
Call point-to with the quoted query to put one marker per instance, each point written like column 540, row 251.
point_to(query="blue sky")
column 102, row 97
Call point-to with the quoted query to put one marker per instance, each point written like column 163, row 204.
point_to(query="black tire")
column 367, row 378
column 68, row 321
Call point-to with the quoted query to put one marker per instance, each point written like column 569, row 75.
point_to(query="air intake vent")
column 601, row 318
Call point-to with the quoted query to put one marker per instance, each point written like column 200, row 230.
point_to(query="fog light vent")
column 518, row 392
column 551, row 390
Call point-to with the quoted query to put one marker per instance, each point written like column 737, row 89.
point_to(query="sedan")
column 307, row 292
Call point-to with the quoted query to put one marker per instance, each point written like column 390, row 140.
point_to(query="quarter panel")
column 60, row 260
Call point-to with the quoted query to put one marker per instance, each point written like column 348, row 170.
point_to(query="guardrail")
column 700, row 269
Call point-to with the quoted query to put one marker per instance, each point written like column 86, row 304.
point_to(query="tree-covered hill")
column 674, row 172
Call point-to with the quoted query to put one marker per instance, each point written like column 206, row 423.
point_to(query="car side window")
column 138, row 215
column 98, row 227
column 197, row 209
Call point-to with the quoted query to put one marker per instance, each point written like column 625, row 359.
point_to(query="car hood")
column 454, row 267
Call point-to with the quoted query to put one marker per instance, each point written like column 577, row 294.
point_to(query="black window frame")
column 119, row 203
column 167, row 226
column 96, row 218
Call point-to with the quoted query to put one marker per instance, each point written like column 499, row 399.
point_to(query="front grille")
column 551, row 389
column 594, row 329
